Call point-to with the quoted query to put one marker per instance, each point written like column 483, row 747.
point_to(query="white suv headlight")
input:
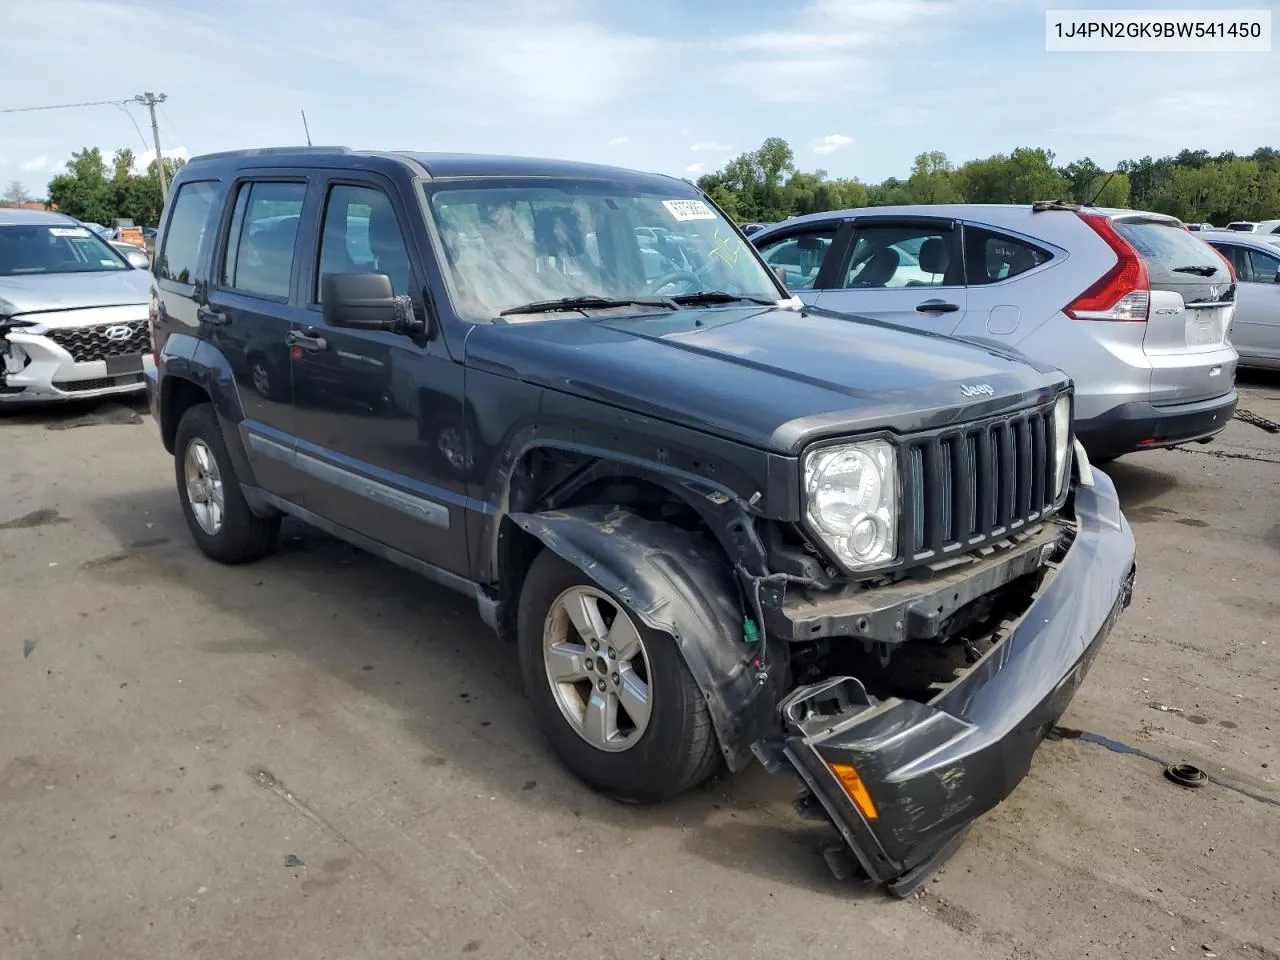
column 1061, row 443
column 851, row 500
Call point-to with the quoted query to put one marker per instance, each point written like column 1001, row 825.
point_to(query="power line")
column 66, row 106
column 126, row 112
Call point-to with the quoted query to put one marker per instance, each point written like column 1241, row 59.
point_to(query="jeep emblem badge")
column 976, row 390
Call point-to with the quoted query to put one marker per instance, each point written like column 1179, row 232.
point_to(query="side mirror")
column 138, row 260
column 366, row 301
column 781, row 273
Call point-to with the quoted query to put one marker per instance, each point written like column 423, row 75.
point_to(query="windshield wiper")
column 1200, row 271
column 589, row 303
column 717, row 296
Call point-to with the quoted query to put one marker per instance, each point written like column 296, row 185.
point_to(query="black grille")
column 978, row 482
column 98, row 383
column 92, row 343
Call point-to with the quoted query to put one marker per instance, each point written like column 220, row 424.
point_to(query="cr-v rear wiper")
column 717, row 296
column 1200, row 271
column 588, row 303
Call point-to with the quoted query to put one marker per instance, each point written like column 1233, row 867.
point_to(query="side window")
column 991, row 257
column 179, row 258
column 1239, row 258
column 1264, row 266
column 801, row 255
column 361, row 235
column 898, row 255
column 260, row 242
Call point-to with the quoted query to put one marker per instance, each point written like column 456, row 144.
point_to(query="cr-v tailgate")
column 1192, row 303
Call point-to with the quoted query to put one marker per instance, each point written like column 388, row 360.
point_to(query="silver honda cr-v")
column 73, row 312
column 1131, row 305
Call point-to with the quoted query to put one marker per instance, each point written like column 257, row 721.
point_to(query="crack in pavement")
column 1116, row 746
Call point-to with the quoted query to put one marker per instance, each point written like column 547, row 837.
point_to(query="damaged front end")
column 902, row 775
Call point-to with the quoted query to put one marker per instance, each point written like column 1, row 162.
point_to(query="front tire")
column 219, row 518
column 613, row 697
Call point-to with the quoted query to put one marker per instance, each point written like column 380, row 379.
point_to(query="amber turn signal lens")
column 856, row 789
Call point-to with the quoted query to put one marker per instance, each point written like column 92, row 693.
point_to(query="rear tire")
column 217, row 514
column 669, row 747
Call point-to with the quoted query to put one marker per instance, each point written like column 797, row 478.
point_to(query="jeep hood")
column 773, row 378
column 41, row 293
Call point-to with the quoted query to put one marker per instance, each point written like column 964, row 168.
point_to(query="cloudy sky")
column 858, row 87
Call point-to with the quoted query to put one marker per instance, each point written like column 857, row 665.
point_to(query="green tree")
column 1111, row 191
column 932, row 179
column 84, row 191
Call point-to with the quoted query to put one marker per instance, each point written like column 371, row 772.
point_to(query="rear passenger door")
column 249, row 313
column 903, row 270
column 1004, row 299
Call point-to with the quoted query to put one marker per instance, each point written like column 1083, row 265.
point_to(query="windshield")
column 509, row 245
column 53, row 248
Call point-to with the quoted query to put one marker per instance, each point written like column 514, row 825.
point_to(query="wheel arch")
column 680, row 552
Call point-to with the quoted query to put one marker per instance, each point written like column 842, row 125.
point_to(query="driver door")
column 803, row 252
column 907, row 271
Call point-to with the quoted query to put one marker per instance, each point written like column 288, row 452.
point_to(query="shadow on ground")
column 425, row 651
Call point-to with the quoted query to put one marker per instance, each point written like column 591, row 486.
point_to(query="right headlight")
column 851, row 501
column 1061, row 443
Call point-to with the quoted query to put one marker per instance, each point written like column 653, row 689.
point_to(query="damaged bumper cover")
column 901, row 780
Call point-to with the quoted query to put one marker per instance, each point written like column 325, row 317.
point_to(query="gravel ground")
column 323, row 756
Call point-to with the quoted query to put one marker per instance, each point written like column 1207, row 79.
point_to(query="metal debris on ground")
column 1186, row 775
column 1248, row 416
column 293, row 861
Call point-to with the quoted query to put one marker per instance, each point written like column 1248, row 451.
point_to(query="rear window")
column 28, row 249
column 1172, row 255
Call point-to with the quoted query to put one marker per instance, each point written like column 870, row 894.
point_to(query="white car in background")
column 1129, row 304
column 1255, row 331
column 73, row 312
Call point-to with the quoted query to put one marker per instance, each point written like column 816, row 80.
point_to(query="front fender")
column 682, row 585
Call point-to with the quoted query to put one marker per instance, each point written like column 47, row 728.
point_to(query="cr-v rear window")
column 1172, row 255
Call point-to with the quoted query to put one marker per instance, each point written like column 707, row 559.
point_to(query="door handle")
column 308, row 338
column 206, row 314
column 936, row 306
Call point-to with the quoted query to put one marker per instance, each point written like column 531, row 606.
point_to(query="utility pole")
column 149, row 100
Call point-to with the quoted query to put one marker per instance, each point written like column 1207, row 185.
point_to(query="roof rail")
column 267, row 152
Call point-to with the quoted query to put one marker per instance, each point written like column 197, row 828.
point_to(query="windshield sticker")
column 688, row 210
column 69, row 231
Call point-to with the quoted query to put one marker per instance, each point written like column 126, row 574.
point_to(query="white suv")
column 1131, row 305
column 73, row 312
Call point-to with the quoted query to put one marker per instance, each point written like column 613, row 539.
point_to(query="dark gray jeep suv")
column 719, row 525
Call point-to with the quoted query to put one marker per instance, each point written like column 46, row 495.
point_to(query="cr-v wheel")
column 613, row 697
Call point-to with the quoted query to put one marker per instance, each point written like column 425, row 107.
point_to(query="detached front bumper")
column 902, row 780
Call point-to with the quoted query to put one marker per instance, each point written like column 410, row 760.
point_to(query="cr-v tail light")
column 1124, row 291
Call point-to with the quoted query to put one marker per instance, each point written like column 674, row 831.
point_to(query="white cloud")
column 831, row 143
column 40, row 164
column 619, row 141
column 711, row 146
column 695, row 168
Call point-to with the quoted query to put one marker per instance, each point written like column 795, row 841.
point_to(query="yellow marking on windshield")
column 722, row 249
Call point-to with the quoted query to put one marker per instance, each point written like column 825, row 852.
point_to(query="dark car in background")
column 718, row 526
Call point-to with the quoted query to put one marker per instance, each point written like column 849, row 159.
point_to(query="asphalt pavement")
column 323, row 756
